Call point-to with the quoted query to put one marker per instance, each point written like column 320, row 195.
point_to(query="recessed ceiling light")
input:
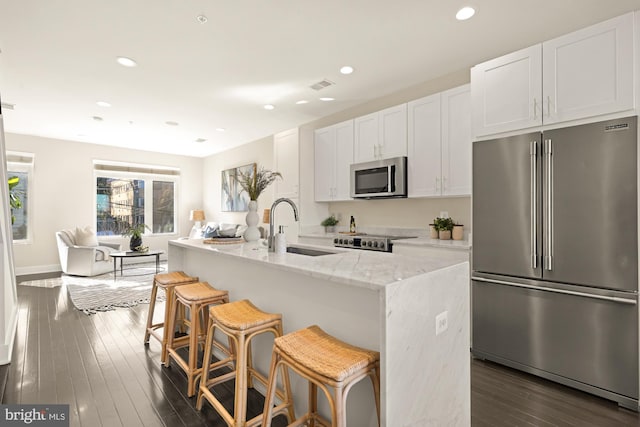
column 220, row 129
column 465, row 13
column 346, row 69
column 326, row 99
column 171, row 123
column 200, row 140
column 127, row 62
column 103, row 104
column 302, row 101
column 202, row 19
column 97, row 118
column 269, row 107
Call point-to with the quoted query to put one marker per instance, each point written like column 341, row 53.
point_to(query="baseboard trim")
column 37, row 269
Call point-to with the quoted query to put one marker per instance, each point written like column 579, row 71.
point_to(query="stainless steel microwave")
column 379, row 179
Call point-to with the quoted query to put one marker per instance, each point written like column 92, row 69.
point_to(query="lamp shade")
column 196, row 215
column 266, row 216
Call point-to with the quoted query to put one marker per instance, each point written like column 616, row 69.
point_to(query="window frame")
column 29, row 169
column 148, row 194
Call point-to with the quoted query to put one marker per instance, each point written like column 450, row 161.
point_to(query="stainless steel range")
column 368, row 241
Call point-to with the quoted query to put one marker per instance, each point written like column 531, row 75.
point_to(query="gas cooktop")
column 370, row 242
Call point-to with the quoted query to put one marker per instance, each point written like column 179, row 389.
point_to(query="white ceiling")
column 58, row 59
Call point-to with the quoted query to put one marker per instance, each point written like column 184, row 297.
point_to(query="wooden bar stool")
column 168, row 282
column 240, row 321
column 325, row 362
column 197, row 297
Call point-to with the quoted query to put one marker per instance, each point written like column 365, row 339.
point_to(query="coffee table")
column 134, row 254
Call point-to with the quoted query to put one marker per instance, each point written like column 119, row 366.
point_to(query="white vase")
column 252, row 233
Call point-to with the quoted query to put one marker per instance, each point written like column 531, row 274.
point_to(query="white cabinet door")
column 393, row 132
column 366, row 134
column 423, row 162
column 589, row 72
column 286, row 161
column 343, row 160
column 506, row 92
column 324, row 164
column 456, row 142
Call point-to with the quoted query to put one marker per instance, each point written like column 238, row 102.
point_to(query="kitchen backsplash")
column 402, row 213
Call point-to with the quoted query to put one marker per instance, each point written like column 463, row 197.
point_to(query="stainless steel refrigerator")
column 555, row 256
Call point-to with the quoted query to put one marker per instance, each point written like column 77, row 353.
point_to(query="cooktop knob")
column 335, row 241
column 375, row 244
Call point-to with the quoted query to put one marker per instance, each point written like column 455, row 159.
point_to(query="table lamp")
column 196, row 215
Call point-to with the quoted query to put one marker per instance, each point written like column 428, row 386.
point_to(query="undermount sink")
column 307, row 251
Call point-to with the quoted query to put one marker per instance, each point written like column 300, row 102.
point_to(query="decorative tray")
column 223, row 240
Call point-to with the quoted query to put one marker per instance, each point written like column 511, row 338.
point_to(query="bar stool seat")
column 324, row 361
column 240, row 321
column 167, row 281
column 197, row 297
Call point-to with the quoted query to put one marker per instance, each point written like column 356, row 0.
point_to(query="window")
column 134, row 194
column 20, row 165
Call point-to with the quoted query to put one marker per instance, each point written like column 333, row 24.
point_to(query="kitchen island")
column 380, row 301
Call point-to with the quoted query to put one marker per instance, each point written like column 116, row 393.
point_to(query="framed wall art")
column 234, row 198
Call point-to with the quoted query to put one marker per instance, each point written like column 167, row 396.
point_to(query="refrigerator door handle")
column 557, row 291
column 533, row 150
column 549, row 226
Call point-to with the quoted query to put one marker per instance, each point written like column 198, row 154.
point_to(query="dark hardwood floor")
column 99, row 366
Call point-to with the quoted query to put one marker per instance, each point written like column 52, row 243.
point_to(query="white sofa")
column 81, row 254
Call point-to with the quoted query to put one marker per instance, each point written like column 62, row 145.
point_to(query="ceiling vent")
column 321, row 84
column 7, row 106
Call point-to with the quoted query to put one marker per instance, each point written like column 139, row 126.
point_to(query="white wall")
column 63, row 193
column 260, row 152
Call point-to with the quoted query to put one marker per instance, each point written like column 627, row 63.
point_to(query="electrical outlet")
column 442, row 322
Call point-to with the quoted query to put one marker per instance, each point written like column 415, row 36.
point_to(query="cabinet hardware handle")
column 549, row 256
column 535, row 109
column 557, row 291
column 533, row 152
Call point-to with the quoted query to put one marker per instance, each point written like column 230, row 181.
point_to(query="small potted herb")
column 444, row 227
column 135, row 232
column 329, row 224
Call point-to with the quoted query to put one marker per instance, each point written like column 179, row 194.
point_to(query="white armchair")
column 81, row 254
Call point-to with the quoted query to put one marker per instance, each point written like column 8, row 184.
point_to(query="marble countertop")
column 367, row 269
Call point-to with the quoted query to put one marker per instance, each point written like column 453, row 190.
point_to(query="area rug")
column 103, row 293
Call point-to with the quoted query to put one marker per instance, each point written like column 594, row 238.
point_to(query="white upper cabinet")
column 380, row 135
column 286, row 161
column 456, row 141
column 333, row 148
column 506, row 92
column 583, row 74
column 439, row 145
column 589, row 72
column 424, row 171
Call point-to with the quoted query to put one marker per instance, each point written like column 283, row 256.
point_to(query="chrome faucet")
column 272, row 218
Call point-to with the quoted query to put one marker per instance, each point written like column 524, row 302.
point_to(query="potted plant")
column 444, row 227
column 257, row 181
column 329, row 224
column 254, row 184
column 136, row 232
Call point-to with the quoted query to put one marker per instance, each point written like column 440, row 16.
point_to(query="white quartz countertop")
column 355, row 267
column 436, row 243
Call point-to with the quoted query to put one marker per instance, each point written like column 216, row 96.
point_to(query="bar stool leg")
column 152, row 307
column 206, row 360
column 375, row 379
column 240, row 405
column 171, row 320
column 194, row 336
column 271, row 391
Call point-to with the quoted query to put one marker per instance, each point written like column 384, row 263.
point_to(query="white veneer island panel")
column 380, row 301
